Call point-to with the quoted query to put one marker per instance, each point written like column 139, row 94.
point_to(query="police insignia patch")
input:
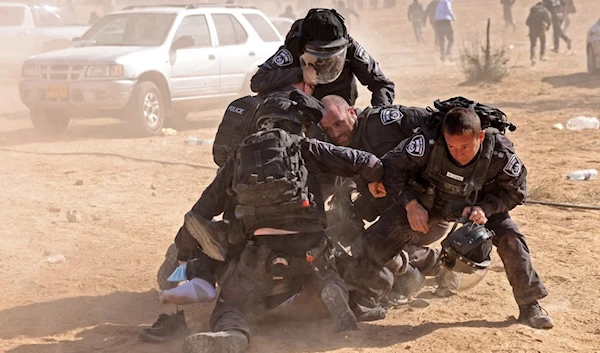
column 361, row 54
column 416, row 146
column 283, row 58
column 389, row 115
column 513, row 167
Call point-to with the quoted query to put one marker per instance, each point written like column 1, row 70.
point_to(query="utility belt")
column 449, row 209
column 280, row 266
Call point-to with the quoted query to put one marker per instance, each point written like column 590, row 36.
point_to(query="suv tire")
column 146, row 113
column 591, row 62
column 49, row 122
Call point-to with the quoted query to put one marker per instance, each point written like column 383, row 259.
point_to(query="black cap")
column 324, row 28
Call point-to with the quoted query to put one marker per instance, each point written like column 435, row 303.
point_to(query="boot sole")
column 209, row 245
column 208, row 342
column 343, row 318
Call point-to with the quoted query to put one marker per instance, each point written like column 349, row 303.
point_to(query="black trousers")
column 534, row 36
column 558, row 32
column 249, row 289
column 392, row 233
column 443, row 32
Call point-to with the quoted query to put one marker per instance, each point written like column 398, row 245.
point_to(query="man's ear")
column 481, row 136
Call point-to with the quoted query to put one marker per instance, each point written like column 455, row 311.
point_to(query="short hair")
column 336, row 100
column 461, row 121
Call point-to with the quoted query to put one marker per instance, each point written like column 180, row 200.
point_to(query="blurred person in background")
column 538, row 21
column 430, row 13
column 416, row 15
column 557, row 10
column 346, row 12
column 443, row 27
column 508, row 15
column 289, row 13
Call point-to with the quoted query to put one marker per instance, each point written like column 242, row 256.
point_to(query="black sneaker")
column 336, row 300
column 409, row 283
column 166, row 327
column 533, row 315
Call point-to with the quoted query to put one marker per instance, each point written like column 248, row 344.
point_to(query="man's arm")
column 509, row 187
column 401, row 163
column 409, row 13
column 367, row 70
column 323, row 157
column 280, row 70
column 211, row 203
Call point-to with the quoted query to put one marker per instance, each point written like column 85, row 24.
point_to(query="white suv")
column 150, row 66
column 593, row 49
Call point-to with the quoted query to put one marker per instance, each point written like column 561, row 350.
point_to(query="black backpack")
column 238, row 122
column 270, row 177
column 489, row 116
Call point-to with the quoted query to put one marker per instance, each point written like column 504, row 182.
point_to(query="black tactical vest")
column 453, row 182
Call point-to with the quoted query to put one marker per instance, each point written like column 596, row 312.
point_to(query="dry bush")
column 484, row 62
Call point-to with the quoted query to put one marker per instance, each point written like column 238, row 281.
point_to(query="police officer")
column 319, row 50
column 278, row 238
column 461, row 163
column 378, row 130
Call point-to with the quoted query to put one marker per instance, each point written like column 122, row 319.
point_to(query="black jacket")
column 505, row 184
column 283, row 68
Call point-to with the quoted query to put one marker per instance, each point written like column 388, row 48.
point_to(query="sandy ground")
column 98, row 299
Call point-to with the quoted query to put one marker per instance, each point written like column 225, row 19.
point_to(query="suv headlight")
column 104, row 71
column 30, row 71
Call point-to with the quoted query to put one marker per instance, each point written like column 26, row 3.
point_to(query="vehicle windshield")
column 131, row 29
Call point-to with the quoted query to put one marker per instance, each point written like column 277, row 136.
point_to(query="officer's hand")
column 476, row 214
column 310, row 74
column 377, row 189
column 418, row 217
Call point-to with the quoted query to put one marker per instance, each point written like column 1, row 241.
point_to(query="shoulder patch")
column 513, row 167
column 416, row 146
column 283, row 58
column 361, row 54
column 389, row 115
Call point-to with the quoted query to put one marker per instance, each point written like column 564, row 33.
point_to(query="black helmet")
column 466, row 255
column 297, row 108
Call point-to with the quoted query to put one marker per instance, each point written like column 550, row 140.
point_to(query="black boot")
column 409, row 283
column 166, row 327
column 335, row 299
column 533, row 315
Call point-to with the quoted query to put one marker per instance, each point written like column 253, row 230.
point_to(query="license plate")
column 58, row 91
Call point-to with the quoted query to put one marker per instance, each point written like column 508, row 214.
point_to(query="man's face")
column 464, row 148
column 339, row 124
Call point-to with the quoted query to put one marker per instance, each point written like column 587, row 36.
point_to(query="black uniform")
column 284, row 68
column 426, row 161
column 246, row 281
column 538, row 21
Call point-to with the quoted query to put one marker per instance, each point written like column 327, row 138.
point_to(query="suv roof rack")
column 190, row 6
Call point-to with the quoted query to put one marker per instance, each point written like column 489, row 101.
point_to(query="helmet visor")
column 328, row 64
column 463, row 277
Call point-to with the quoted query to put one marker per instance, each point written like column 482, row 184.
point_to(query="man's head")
column 463, row 134
column 339, row 120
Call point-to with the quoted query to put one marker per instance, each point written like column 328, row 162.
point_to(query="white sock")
column 195, row 291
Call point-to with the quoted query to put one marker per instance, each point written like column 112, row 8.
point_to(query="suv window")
column 260, row 25
column 11, row 16
column 196, row 27
column 131, row 29
column 229, row 30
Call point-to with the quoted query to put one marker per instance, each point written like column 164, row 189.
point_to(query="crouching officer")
column 280, row 214
column 459, row 163
column 318, row 50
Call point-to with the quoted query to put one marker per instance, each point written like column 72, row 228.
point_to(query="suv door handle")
column 251, row 53
column 211, row 57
